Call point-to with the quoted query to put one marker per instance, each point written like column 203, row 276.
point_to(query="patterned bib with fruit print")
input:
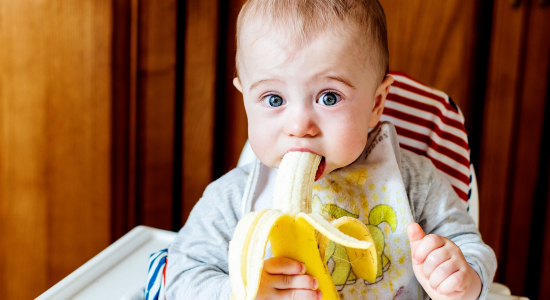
column 371, row 190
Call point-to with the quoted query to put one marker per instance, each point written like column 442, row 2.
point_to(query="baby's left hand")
column 440, row 266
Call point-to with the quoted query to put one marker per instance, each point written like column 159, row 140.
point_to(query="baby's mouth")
column 320, row 169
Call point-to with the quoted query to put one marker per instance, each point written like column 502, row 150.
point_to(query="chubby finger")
column 415, row 234
column 443, row 272
column 299, row 294
column 284, row 266
column 434, row 259
column 428, row 244
column 284, row 282
column 455, row 284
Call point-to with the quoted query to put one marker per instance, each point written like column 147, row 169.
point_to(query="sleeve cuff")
column 485, row 284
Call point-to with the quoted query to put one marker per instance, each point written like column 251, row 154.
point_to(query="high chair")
column 427, row 122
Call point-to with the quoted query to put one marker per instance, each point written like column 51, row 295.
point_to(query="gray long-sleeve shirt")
column 198, row 261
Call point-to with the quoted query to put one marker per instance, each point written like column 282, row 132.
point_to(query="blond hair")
column 302, row 20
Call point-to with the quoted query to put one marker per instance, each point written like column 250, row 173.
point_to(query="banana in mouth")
column 295, row 232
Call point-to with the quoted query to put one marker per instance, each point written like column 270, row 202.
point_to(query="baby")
column 313, row 74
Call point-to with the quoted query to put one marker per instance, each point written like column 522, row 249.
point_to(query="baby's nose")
column 301, row 125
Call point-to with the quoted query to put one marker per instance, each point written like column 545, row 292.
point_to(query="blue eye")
column 274, row 100
column 329, row 99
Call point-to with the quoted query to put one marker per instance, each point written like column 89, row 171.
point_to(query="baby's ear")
column 380, row 100
column 237, row 84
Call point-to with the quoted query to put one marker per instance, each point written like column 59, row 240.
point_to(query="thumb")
column 416, row 234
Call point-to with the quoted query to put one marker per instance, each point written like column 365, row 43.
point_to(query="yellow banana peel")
column 296, row 233
column 363, row 261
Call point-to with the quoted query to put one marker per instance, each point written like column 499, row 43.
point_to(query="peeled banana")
column 293, row 232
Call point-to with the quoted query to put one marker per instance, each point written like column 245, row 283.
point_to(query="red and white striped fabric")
column 430, row 124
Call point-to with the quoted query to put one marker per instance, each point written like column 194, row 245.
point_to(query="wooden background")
column 119, row 113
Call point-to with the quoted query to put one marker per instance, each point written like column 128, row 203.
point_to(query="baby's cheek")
column 351, row 145
column 263, row 146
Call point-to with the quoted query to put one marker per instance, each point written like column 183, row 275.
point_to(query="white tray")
column 118, row 272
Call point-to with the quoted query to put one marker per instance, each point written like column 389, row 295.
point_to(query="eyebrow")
column 342, row 80
column 257, row 83
column 337, row 78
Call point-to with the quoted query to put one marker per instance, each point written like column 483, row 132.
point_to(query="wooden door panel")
column 54, row 140
column 199, row 99
column 543, row 274
column 533, row 80
column 495, row 169
column 155, row 111
column 232, row 126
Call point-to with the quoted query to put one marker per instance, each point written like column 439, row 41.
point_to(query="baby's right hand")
column 284, row 278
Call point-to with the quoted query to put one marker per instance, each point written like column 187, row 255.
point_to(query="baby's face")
column 321, row 98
